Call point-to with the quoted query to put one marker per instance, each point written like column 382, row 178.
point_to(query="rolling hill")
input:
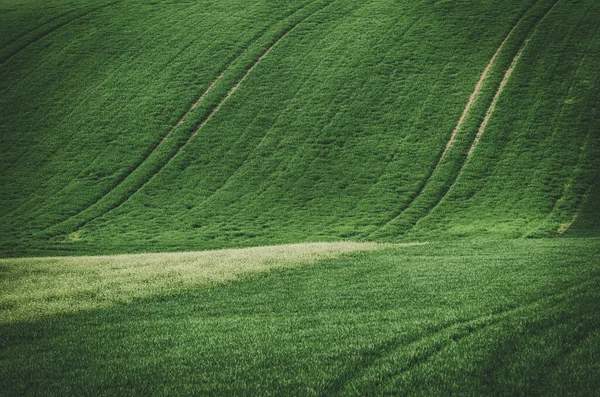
column 137, row 126
column 299, row 197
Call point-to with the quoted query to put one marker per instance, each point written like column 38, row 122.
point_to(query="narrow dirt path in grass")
column 492, row 107
column 489, row 111
column 223, row 100
column 459, row 124
column 430, row 179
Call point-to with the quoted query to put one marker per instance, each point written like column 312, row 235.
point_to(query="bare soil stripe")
column 492, row 107
column 461, row 120
column 474, row 94
column 464, row 115
column 489, row 111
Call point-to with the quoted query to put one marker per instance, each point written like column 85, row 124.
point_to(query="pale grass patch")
column 32, row 288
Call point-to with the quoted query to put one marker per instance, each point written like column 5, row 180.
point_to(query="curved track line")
column 482, row 127
column 474, row 95
column 226, row 97
column 261, row 189
column 22, row 35
column 492, row 107
column 565, row 226
column 52, row 30
column 153, row 149
column 204, row 121
column 488, row 115
column 465, row 113
column 455, row 330
column 88, row 95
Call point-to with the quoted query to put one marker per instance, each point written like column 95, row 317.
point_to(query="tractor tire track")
column 492, row 107
column 226, row 97
column 448, row 332
column 48, row 21
column 478, row 87
column 90, row 93
column 205, row 119
column 264, row 186
column 487, row 117
column 565, row 226
column 474, row 95
column 477, row 137
column 42, row 35
column 459, row 124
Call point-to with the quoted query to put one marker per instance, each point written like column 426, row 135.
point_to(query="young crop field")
column 299, row 197
column 508, row 317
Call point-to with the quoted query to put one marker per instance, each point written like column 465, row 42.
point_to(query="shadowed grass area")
column 508, row 317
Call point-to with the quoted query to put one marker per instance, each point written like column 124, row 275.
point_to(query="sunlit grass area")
column 35, row 288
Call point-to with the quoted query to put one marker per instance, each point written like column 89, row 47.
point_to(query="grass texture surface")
column 136, row 126
column 508, row 317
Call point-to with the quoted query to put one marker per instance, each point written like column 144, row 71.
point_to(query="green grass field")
column 299, row 197
column 507, row 317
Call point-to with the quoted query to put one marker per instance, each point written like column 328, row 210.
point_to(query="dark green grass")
column 538, row 158
column 488, row 317
column 333, row 135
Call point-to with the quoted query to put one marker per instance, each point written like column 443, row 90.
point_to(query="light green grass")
column 35, row 288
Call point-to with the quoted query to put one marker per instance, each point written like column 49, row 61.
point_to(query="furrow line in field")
column 223, row 100
column 459, row 124
column 492, row 107
column 264, row 186
column 92, row 91
column 52, row 30
column 564, row 227
column 206, row 118
column 28, row 31
column 473, row 96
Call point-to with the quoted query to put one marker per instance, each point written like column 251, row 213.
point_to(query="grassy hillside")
column 505, row 317
column 134, row 126
column 425, row 152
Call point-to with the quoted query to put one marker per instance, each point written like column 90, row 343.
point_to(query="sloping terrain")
column 429, row 168
column 138, row 126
